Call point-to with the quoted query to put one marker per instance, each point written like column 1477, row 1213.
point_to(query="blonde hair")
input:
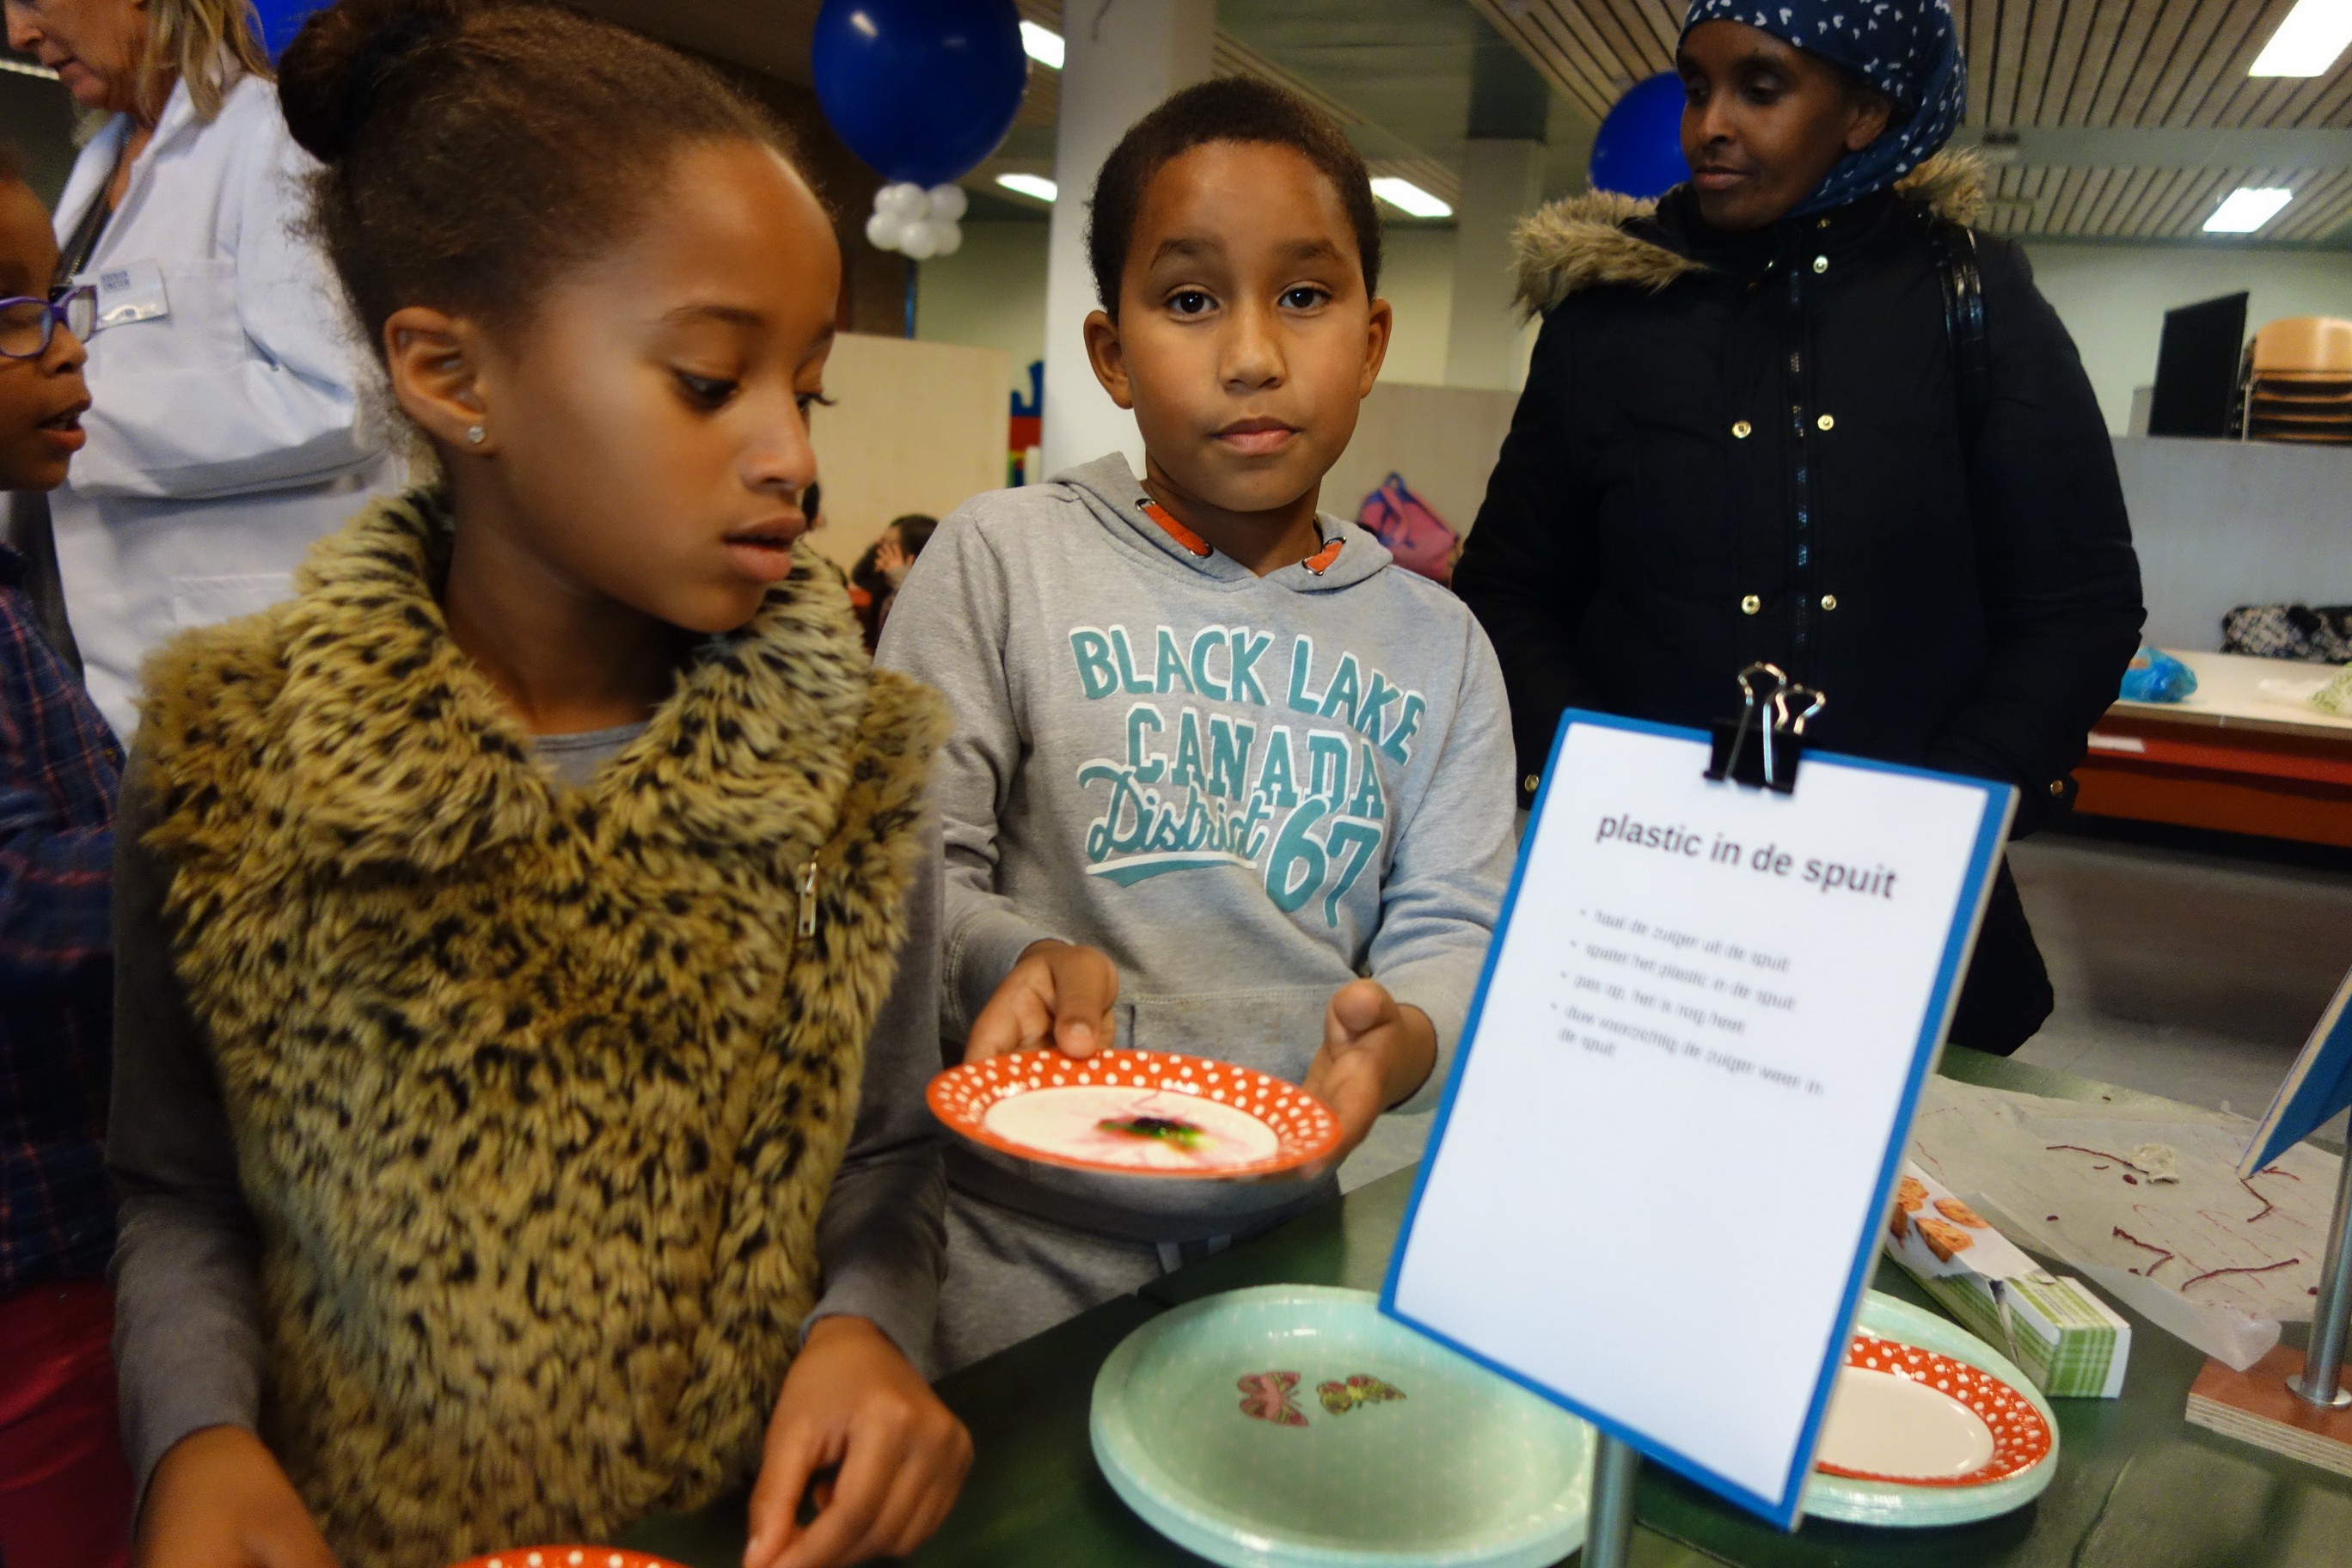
column 207, row 44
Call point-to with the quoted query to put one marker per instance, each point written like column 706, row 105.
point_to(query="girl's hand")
column 219, row 1500
column 852, row 1404
column 1057, row 995
column 1375, row 1053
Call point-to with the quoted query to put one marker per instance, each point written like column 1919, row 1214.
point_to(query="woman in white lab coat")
column 226, row 433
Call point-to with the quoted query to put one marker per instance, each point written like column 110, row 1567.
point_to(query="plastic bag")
column 2155, row 676
column 2336, row 697
column 1415, row 535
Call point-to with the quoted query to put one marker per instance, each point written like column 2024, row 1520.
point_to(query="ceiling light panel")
column 2247, row 208
column 1037, row 188
column 2309, row 42
column 1409, row 199
column 1043, row 44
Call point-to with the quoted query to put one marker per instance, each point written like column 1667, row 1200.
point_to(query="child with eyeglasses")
column 65, row 1492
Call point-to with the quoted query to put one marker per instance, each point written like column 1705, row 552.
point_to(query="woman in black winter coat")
column 1750, row 432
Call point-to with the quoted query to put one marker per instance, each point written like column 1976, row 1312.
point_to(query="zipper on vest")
column 808, row 898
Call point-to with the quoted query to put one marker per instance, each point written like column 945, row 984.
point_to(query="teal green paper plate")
column 1232, row 1426
column 1895, row 1505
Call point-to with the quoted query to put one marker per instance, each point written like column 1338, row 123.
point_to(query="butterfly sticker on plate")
column 1266, row 1398
column 1339, row 1398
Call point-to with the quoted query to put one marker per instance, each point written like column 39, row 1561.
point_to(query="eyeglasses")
column 27, row 324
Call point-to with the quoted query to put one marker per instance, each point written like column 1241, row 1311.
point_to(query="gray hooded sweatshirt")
column 1247, row 791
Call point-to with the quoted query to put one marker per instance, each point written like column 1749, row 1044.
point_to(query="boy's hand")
column 1375, row 1053
column 852, row 1404
column 1057, row 995
column 219, row 1500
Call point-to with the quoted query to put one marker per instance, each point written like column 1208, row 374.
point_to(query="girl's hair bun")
column 331, row 74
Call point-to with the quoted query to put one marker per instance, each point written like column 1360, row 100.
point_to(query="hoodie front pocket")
column 1277, row 1030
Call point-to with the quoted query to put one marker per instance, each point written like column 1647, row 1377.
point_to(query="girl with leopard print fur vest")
column 528, row 949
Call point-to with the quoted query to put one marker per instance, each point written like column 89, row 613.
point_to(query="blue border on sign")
column 1992, row 830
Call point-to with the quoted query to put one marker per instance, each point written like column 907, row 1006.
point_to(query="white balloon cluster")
column 914, row 222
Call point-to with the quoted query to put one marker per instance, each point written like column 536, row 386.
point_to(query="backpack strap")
column 1964, row 324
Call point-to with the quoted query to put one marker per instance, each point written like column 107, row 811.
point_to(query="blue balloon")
column 281, row 19
column 1639, row 152
column 922, row 90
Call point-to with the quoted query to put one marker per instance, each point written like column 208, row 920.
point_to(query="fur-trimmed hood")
column 1587, row 241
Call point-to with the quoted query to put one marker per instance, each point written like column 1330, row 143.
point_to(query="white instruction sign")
column 1656, row 1185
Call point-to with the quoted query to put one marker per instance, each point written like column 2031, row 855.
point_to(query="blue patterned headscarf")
column 1907, row 49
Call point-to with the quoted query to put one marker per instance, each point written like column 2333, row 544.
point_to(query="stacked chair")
column 2296, row 381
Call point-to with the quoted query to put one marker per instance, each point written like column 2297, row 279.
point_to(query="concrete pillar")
column 1123, row 57
column 1502, row 182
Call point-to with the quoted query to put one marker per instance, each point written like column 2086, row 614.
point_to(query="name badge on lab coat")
column 128, row 293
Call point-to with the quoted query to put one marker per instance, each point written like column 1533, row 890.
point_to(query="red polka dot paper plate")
column 567, row 1557
column 1919, row 1418
column 1136, row 1113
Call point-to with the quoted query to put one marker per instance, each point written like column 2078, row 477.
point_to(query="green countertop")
column 2137, row 1488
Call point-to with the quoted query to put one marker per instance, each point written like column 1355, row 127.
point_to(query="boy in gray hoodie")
column 1223, row 781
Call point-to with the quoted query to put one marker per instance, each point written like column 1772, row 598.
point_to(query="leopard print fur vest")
column 536, row 1092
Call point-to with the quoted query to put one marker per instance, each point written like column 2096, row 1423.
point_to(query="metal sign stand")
column 1773, row 714
column 1609, row 1534
column 2321, row 1380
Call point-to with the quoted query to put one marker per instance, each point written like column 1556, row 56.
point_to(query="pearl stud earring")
column 477, row 435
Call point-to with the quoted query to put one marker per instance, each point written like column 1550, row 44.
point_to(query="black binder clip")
column 1772, row 716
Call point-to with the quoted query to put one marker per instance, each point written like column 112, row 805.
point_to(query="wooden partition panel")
column 1442, row 439
column 916, row 427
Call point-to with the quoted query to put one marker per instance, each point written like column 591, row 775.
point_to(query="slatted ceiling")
column 2254, row 99
column 2084, row 201
column 2071, row 94
column 2338, row 212
column 2059, row 62
column 2006, row 56
column 2178, row 197
column 1541, row 37
column 1233, row 57
column 2335, row 108
column 2031, row 62
column 2144, row 100
column 2323, row 204
column 1626, row 32
column 2224, row 91
column 2120, row 191
column 2158, row 204
column 2199, row 191
column 2218, row 90
column 1568, row 43
column 2189, row 54
column 2106, row 77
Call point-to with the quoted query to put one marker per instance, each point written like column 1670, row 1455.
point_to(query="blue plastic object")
column 281, row 19
column 921, row 90
column 2155, row 676
column 1639, row 151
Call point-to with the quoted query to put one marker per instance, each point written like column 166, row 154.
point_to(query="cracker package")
column 2071, row 1343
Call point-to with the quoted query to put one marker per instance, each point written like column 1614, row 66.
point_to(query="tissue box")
column 1970, row 1298
column 2071, row 1343
column 2067, row 1341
